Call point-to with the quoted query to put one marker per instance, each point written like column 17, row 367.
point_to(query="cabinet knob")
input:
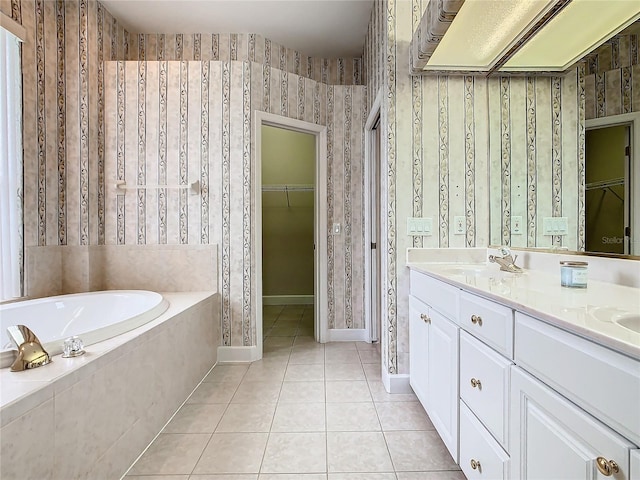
column 476, row 320
column 425, row 318
column 475, row 464
column 607, row 467
column 476, row 383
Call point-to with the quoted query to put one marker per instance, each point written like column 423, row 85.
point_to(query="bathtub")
column 94, row 317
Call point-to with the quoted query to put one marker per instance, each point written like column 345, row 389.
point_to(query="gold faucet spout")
column 31, row 353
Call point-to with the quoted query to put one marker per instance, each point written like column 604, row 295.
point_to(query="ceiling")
column 318, row 28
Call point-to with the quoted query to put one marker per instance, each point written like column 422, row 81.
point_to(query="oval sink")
column 632, row 322
column 482, row 271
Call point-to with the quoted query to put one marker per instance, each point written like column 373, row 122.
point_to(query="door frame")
column 370, row 137
column 633, row 120
column 320, row 220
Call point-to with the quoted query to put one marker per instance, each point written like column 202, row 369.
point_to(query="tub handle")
column 31, row 353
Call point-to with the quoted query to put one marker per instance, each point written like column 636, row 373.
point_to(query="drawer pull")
column 476, row 320
column 425, row 318
column 607, row 467
column 475, row 464
column 476, row 383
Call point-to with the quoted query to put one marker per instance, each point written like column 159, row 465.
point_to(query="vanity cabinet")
column 434, row 357
column 553, row 439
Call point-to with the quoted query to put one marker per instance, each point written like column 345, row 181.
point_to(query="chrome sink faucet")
column 507, row 262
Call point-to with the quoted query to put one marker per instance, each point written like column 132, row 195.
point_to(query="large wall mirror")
column 565, row 153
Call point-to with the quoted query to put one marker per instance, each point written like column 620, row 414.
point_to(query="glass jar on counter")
column 573, row 274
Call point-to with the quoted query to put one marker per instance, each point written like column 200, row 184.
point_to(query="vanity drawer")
column 439, row 295
column 488, row 399
column 490, row 322
column 635, row 465
column 478, row 446
column 603, row 382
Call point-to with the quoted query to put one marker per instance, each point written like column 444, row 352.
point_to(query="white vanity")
column 523, row 378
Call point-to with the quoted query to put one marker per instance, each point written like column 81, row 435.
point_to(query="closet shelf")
column 288, row 188
column 605, row 183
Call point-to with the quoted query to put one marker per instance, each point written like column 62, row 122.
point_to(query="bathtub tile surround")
column 57, row 270
column 107, row 405
column 307, row 426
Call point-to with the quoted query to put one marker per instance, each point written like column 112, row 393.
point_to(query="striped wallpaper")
column 83, row 132
column 445, row 136
column 173, row 123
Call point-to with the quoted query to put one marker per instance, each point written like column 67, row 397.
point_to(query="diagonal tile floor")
column 305, row 411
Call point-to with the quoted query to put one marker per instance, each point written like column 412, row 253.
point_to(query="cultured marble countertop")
column 590, row 312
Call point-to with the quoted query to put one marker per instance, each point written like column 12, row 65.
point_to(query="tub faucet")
column 31, row 353
column 507, row 262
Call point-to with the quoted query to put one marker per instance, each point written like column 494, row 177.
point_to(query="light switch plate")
column 555, row 226
column 459, row 225
column 419, row 226
column 516, row 225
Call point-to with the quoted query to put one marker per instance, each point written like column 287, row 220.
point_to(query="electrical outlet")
column 335, row 230
column 516, row 225
column 459, row 225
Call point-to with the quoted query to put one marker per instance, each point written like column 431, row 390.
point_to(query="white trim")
column 287, row 300
column 13, row 27
column 634, row 197
column 238, row 354
column 321, row 229
column 374, row 113
column 395, row 382
column 347, row 335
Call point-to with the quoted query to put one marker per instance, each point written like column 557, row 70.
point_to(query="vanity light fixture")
column 527, row 35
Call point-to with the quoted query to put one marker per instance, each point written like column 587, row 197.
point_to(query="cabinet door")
column 442, row 402
column 554, row 439
column 418, row 346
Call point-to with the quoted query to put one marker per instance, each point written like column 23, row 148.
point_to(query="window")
column 11, row 244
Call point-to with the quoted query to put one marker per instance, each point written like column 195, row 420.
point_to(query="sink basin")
column 632, row 322
column 489, row 271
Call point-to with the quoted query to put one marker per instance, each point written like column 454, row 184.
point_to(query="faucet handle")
column 505, row 251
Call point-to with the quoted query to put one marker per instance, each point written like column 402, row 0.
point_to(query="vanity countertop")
column 591, row 312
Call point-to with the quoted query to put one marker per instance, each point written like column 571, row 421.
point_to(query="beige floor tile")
column 171, row 454
column 362, row 476
column 293, row 476
column 372, row 372
column 304, row 373
column 299, row 417
column 295, row 453
column 362, row 346
column 352, row 417
column 233, row 453
column 403, row 416
column 379, row 394
column 269, row 370
column 156, row 477
column 341, row 356
column 357, row 452
column 302, row 392
column 212, row 392
column 196, row 418
column 370, row 357
column 227, row 374
column 340, row 346
column 257, row 392
column 444, row 475
column 279, row 330
column 306, row 357
column 305, row 339
column 230, row 476
column 344, row 371
column 348, row 391
column 274, row 353
column 278, row 341
column 418, row 451
column 247, row 417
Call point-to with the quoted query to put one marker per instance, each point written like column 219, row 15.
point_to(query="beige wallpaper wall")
column 444, row 134
column 70, row 166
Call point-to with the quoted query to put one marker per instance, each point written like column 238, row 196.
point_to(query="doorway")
column 612, row 207
column 290, row 202
column 373, row 262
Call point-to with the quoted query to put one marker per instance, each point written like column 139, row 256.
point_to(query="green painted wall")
column 288, row 158
column 604, row 208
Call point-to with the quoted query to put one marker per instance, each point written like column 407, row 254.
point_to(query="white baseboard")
column 238, row 354
column 395, row 382
column 347, row 335
column 288, row 300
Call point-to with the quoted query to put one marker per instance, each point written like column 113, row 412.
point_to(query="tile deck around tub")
column 305, row 411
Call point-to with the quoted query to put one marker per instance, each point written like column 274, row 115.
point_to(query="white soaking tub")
column 94, row 317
